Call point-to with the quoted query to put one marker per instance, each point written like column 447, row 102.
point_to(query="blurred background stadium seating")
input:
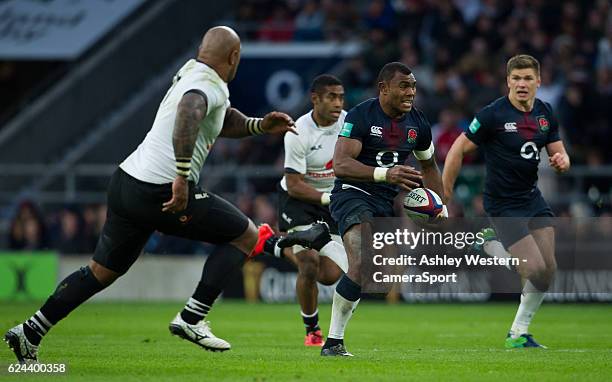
column 67, row 120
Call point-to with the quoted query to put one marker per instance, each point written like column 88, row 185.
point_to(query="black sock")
column 329, row 342
column 311, row 322
column 270, row 247
column 70, row 293
column 219, row 266
column 199, row 305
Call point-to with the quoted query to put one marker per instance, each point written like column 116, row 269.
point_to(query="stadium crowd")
column 457, row 49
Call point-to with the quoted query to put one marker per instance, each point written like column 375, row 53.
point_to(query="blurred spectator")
column 27, row 231
column 94, row 217
column 68, row 233
column 309, row 22
column 341, row 19
column 444, row 134
column 379, row 50
column 263, row 210
column 380, row 15
column 278, row 27
column 358, row 82
column 550, row 90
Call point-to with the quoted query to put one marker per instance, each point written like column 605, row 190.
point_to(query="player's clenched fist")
column 406, row 177
column 560, row 162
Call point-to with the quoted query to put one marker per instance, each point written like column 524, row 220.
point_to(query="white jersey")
column 311, row 152
column 154, row 160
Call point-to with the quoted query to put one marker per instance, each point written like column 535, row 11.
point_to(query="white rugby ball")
column 423, row 205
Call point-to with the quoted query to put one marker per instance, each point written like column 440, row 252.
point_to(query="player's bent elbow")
column 339, row 169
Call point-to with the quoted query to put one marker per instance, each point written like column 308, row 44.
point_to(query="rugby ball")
column 422, row 205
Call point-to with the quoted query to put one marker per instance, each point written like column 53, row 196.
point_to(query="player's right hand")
column 406, row 177
column 180, row 194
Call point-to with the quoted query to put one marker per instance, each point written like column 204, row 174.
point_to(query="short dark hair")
column 388, row 71
column 321, row 81
column 523, row 61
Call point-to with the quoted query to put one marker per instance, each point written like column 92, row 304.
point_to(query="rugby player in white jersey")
column 304, row 196
column 155, row 189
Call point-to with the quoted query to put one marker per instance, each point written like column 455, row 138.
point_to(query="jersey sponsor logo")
column 376, row 131
column 510, row 127
column 329, row 165
column 412, row 136
column 346, row 129
column 387, row 158
column 316, row 147
column 474, row 126
column 543, row 123
column 201, row 195
column 529, row 150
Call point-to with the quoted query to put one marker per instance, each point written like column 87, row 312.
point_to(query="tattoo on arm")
column 191, row 111
column 234, row 124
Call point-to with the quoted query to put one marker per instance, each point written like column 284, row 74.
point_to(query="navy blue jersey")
column 512, row 140
column 385, row 142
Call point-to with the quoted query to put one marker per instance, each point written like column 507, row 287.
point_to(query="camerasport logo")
column 412, row 136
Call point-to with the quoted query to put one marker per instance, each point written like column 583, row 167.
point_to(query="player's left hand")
column 278, row 123
column 560, row 162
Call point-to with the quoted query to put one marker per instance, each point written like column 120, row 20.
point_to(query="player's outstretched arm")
column 347, row 167
column 452, row 164
column 238, row 125
column 557, row 156
column 191, row 111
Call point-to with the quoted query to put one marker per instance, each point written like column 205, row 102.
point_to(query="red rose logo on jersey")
column 412, row 136
column 543, row 122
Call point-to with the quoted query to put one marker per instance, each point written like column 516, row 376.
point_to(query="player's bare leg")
column 545, row 239
column 307, row 293
column 347, row 294
column 329, row 271
column 533, row 271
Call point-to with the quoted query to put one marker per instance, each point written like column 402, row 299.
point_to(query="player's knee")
column 308, row 262
column 247, row 241
column 329, row 273
column 549, row 272
column 538, row 275
column 104, row 275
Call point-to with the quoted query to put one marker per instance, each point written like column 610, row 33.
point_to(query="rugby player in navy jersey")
column 377, row 137
column 511, row 131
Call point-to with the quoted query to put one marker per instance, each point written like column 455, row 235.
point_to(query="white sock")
column 278, row 251
column 496, row 249
column 335, row 251
column 342, row 310
column 531, row 299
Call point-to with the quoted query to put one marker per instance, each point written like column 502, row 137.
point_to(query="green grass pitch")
column 130, row 341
